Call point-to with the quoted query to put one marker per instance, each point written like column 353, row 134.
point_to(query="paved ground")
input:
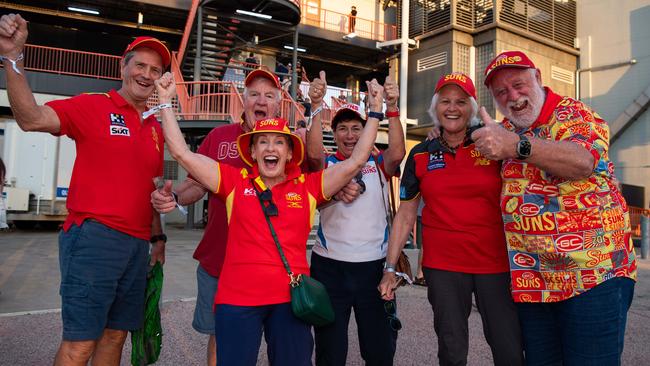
column 30, row 325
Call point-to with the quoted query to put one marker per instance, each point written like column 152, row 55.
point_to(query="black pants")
column 450, row 296
column 353, row 285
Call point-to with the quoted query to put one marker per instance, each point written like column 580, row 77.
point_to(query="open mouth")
column 271, row 162
column 452, row 117
column 143, row 84
column 519, row 106
column 259, row 115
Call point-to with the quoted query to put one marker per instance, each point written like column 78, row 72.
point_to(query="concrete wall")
column 621, row 33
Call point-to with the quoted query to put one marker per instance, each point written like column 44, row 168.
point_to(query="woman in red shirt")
column 463, row 243
column 253, row 293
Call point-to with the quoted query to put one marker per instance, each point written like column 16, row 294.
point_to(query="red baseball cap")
column 274, row 125
column 265, row 74
column 505, row 59
column 350, row 110
column 460, row 79
column 152, row 43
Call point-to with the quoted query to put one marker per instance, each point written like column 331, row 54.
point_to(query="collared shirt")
column 253, row 273
column 117, row 159
column 357, row 231
column 462, row 229
column 565, row 236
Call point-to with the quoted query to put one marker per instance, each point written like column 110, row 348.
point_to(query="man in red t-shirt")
column 261, row 97
column 103, row 247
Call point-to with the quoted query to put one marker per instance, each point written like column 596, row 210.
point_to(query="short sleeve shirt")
column 357, row 231
column 565, row 236
column 118, row 158
column 253, row 273
column 462, row 229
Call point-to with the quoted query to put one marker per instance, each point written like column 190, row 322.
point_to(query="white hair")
column 473, row 119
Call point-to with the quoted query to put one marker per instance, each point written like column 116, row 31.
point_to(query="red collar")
column 291, row 170
column 550, row 103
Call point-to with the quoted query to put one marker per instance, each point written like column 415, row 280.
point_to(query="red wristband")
column 392, row 114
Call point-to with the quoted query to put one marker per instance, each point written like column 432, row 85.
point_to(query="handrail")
column 72, row 62
column 181, row 92
column 188, row 29
column 339, row 22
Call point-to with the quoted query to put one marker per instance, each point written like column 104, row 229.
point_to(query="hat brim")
column 489, row 76
column 244, row 146
column 262, row 73
column 338, row 116
column 157, row 46
column 458, row 84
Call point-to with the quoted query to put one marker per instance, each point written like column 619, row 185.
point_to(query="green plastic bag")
column 147, row 341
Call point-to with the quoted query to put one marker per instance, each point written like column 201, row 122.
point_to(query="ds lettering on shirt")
column 227, row 150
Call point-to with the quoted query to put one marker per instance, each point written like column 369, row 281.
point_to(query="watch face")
column 523, row 149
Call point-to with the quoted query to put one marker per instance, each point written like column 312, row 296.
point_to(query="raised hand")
column 13, row 35
column 493, row 141
column 391, row 93
column 375, row 95
column 166, row 88
column 162, row 199
column 317, row 90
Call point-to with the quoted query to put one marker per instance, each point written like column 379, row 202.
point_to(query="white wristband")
column 13, row 62
column 311, row 116
column 155, row 109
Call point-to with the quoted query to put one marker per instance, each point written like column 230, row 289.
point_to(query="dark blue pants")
column 588, row 329
column 353, row 285
column 239, row 335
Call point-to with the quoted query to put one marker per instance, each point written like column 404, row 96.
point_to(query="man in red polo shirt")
column 567, row 226
column 103, row 247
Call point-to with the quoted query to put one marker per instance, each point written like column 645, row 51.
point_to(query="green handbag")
column 309, row 299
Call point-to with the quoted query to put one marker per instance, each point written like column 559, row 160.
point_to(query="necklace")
column 444, row 143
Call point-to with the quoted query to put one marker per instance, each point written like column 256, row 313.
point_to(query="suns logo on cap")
column 269, row 122
column 460, row 77
column 505, row 60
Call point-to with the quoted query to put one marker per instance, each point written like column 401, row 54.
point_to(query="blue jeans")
column 239, row 334
column 588, row 329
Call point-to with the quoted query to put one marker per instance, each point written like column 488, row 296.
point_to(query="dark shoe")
column 420, row 281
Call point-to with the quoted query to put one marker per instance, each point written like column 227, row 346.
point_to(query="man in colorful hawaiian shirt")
column 567, row 226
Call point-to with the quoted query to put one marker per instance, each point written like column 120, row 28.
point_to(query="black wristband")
column 157, row 238
column 378, row 115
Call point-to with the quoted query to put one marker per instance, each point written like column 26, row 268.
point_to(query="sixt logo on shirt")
column 436, row 161
column 118, row 126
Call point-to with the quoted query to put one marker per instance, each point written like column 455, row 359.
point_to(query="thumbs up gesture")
column 317, row 90
column 493, row 141
column 162, row 199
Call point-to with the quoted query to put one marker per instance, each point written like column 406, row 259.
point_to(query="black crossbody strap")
column 275, row 237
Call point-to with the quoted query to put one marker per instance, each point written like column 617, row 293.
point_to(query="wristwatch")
column 523, row 148
column 389, row 268
column 157, row 238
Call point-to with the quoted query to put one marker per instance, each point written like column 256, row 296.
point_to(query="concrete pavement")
column 30, row 325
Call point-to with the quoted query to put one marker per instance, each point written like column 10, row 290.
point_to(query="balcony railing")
column 70, row 62
column 339, row 22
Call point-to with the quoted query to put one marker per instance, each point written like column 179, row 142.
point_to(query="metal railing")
column 71, row 62
column 339, row 22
